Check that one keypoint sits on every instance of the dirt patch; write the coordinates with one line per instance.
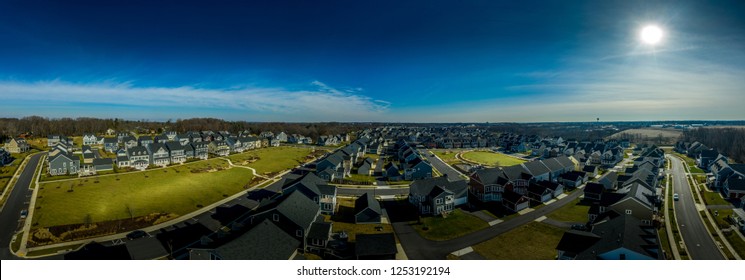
(65, 233)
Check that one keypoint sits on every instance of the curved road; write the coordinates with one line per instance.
(698, 241)
(443, 167)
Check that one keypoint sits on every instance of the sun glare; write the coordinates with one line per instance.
(651, 35)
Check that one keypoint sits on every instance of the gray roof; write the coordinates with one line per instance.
(425, 186)
(640, 193)
(265, 241)
(319, 230)
(299, 209)
(621, 231)
(488, 176)
(375, 244)
(535, 168)
(553, 164)
(174, 146)
(366, 201)
(103, 161)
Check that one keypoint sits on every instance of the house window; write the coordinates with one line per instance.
(628, 211)
(275, 217)
(317, 242)
(438, 201)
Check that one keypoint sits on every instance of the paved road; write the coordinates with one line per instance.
(699, 243)
(441, 166)
(418, 248)
(18, 200)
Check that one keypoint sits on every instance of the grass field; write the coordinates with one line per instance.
(534, 241)
(272, 160)
(455, 225)
(714, 198)
(572, 212)
(177, 190)
(448, 156)
(491, 158)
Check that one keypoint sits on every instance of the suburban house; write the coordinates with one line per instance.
(594, 191)
(591, 170)
(380, 246)
(16, 145)
(487, 184)
(90, 139)
(613, 236)
(294, 213)
(437, 195)
(176, 151)
(318, 237)
(219, 148)
(145, 140)
(539, 193)
(129, 142)
(519, 178)
(572, 179)
(265, 241)
(88, 154)
(333, 162)
(514, 201)
(110, 144)
(367, 210)
(103, 164)
(54, 139)
(201, 150)
(734, 188)
(5, 157)
(704, 159)
(610, 180)
(366, 167)
(391, 172)
(139, 157)
(315, 188)
(158, 154)
(122, 160)
(63, 163)
(417, 169)
(555, 188)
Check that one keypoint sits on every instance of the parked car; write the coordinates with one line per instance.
(676, 197)
(24, 213)
(136, 234)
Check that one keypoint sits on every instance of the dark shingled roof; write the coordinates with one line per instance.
(366, 201)
(319, 230)
(425, 186)
(575, 241)
(594, 188)
(299, 209)
(265, 241)
(622, 231)
(375, 245)
(536, 168)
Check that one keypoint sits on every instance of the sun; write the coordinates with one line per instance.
(651, 35)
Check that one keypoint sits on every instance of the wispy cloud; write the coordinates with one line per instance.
(319, 102)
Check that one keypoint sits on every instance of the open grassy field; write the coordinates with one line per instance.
(491, 158)
(177, 190)
(456, 224)
(534, 241)
(572, 212)
(273, 159)
(714, 198)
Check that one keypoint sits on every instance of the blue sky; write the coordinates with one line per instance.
(418, 61)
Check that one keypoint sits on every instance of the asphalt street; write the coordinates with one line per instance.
(441, 166)
(10, 221)
(699, 243)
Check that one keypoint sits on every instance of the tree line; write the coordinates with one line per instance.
(729, 141)
(42, 127)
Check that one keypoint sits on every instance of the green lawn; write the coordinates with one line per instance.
(737, 243)
(7, 172)
(176, 190)
(448, 156)
(455, 225)
(572, 212)
(714, 198)
(360, 178)
(273, 159)
(534, 241)
(343, 220)
(491, 158)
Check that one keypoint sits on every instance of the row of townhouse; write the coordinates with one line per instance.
(338, 165)
(621, 221)
(601, 153)
(61, 160)
(516, 185)
(726, 177)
